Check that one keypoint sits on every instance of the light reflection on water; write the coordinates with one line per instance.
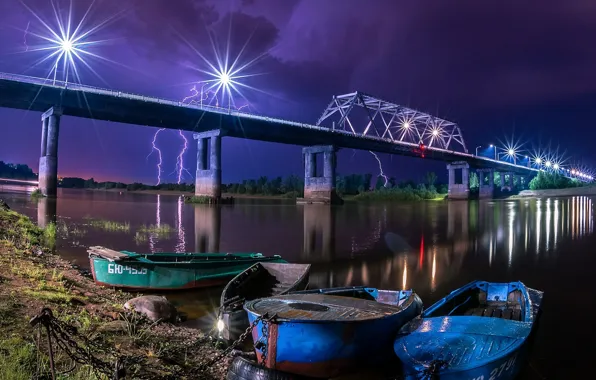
(344, 244)
(538, 241)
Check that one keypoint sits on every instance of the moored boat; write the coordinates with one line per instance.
(478, 331)
(168, 271)
(258, 281)
(329, 332)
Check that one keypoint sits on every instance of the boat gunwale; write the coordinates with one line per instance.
(146, 258)
(401, 309)
(304, 274)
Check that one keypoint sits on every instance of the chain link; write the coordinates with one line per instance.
(264, 337)
(63, 335)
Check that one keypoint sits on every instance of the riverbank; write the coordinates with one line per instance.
(190, 193)
(32, 278)
(568, 192)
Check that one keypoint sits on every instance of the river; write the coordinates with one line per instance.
(547, 243)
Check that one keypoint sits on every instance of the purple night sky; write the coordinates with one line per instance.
(498, 69)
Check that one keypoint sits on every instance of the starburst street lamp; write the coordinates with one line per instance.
(225, 72)
(67, 43)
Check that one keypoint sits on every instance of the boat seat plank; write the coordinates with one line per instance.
(107, 253)
(321, 307)
(503, 313)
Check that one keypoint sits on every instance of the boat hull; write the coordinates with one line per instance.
(327, 349)
(506, 368)
(233, 318)
(136, 275)
(490, 346)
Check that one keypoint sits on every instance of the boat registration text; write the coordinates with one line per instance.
(119, 269)
(498, 371)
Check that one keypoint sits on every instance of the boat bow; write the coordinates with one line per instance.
(459, 343)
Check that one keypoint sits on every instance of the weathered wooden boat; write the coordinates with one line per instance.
(477, 332)
(329, 332)
(169, 271)
(258, 281)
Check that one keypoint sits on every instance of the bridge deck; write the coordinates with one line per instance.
(21, 92)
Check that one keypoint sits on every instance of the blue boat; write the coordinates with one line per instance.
(329, 332)
(478, 332)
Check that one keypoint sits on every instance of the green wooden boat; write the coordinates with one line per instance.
(169, 271)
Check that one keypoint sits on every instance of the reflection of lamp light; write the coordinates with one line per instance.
(405, 275)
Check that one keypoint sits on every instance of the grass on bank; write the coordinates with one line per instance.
(31, 278)
(400, 194)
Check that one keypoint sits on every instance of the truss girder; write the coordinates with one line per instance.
(391, 121)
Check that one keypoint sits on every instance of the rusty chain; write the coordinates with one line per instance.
(264, 336)
(63, 336)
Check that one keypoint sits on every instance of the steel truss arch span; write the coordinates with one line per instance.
(391, 121)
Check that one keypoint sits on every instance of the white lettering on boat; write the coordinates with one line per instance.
(119, 269)
(498, 371)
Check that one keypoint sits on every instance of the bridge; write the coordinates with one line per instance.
(19, 181)
(383, 127)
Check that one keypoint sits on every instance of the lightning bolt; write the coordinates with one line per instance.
(156, 149)
(191, 99)
(25, 36)
(180, 161)
(380, 169)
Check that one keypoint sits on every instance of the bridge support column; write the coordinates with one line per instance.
(486, 179)
(459, 185)
(208, 178)
(319, 188)
(48, 160)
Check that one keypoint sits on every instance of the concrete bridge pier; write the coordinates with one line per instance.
(507, 183)
(319, 188)
(459, 180)
(486, 179)
(208, 178)
(48, 160)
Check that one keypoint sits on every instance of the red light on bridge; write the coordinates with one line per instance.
(420, 150)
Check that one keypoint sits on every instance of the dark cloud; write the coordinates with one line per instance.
(527, 64)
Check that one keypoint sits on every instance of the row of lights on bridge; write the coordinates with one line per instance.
(547, 163)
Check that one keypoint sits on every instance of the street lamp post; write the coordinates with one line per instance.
(479, 146)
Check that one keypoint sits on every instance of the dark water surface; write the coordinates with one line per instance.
(549, 244)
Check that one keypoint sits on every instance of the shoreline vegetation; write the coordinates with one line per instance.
(32, 278)
(352, 187)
